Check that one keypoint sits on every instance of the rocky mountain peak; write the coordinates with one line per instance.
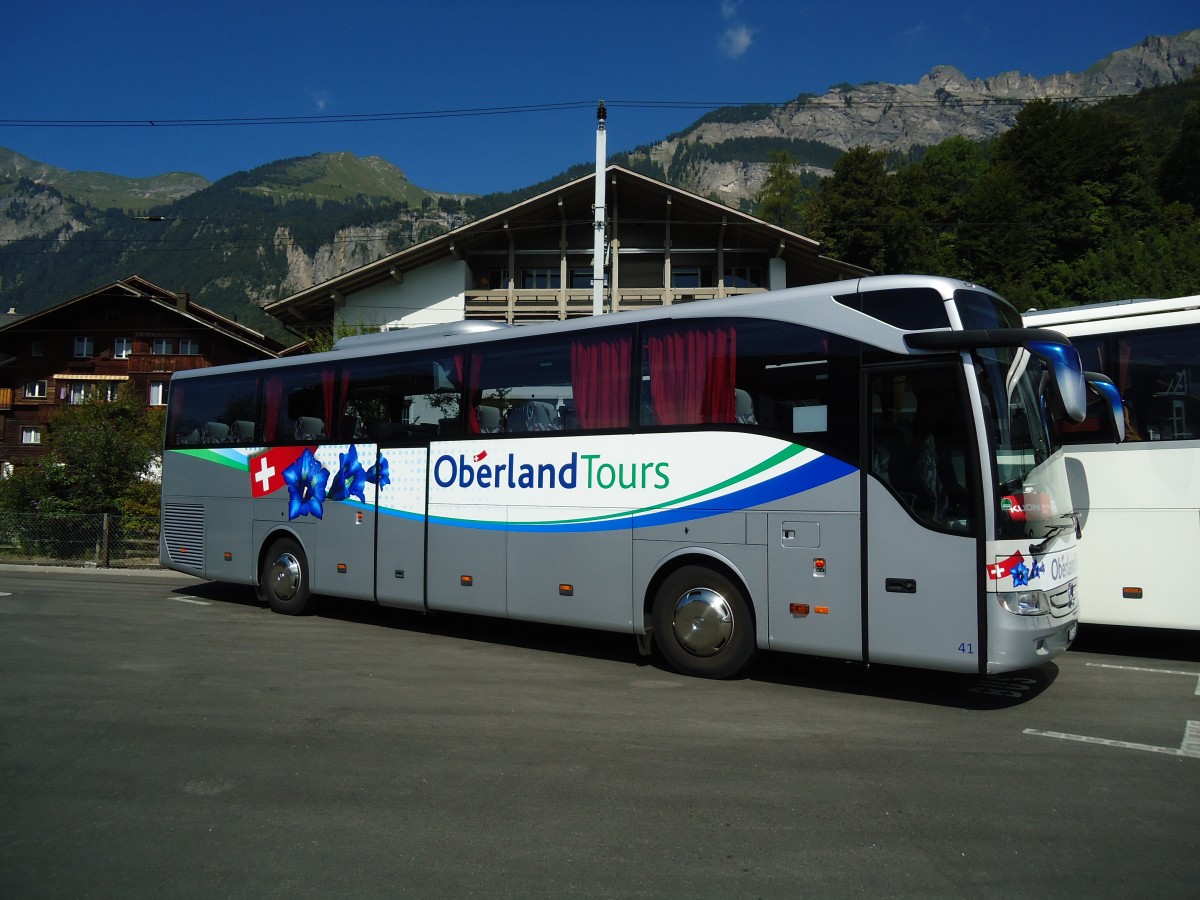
(942, 104)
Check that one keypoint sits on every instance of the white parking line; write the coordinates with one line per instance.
(190, 600)
(1190, 746)
(1195, 675)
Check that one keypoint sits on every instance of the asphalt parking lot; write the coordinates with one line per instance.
(164, 736)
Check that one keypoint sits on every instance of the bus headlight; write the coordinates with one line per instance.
(1024, 603)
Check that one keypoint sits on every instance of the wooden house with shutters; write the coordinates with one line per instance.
(129, 332)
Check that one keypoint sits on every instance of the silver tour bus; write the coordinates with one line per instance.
(868, 470)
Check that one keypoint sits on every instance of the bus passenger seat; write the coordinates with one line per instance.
(489, 419)
(535, 415)
(309, 428)
(243, 430)
(743, 407)
(215, 433)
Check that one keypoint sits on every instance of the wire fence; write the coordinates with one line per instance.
(96, 539)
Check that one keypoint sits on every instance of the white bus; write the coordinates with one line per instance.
(868, 470)
(1139, 500)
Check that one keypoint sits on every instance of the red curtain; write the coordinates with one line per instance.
(177, 413)
(471, 395)
(274, 402)
(328, 392)
(692, 374)
(600, 381)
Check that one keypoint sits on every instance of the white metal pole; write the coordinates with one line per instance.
(598, 209)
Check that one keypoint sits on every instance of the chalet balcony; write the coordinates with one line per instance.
(148, 363)
(523, 304)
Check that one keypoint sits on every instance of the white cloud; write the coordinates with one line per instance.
(736, 41)
(321, 99)
(729, 8)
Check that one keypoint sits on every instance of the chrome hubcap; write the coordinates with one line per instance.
(284, 576)
(702, 622)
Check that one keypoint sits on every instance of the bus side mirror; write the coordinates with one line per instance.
(1103, 387)
(1068, 376)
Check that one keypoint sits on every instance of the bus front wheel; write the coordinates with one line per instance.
(283, 579)
(702, 623)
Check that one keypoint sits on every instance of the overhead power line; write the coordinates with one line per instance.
(849, 100)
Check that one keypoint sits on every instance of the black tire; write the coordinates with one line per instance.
(283, 580)
(703, 625)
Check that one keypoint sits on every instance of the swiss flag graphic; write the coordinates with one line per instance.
(266, 469)
(1004, 568)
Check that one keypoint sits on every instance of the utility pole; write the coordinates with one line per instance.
(598, 210)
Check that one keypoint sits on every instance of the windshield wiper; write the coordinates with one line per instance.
(1040, 548)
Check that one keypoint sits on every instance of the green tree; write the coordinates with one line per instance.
(779, 199)
(324, 339)
(103, 448)
(849, 212)
(1179, 174)
(99, 455)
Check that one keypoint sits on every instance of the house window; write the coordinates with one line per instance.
(493, 280)
(35, 390)
(189, 347)
(122, 348)
(37, 348)
(691, 277)
(540, 278)
(31, 435)
(158, 393)
(743, 277)
(84, 347)
(163, 346)
(581, 278)
(108, 390)
(77, 392)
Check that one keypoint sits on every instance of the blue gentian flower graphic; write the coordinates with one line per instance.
(1020, 575)
(350, 481)
(305, 479)
(378, 474)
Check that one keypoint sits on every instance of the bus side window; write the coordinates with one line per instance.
(918, 444)
(222, 410)
(576, 382)
(403, 399)
(799, 383)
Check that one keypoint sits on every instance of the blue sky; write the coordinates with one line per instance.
(160, 61)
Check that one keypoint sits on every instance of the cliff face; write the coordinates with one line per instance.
(351, 248)
(942, 104)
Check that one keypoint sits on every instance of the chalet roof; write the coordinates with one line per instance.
(636, 197)
(136, 287)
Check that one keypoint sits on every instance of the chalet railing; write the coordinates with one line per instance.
(141, 364)
(526, 304)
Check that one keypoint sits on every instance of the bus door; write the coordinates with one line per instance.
(400, 529)
(922, 553)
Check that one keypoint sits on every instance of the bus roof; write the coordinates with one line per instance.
(1117, 309)
(820, 306)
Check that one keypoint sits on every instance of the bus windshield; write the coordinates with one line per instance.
(1018, 391)
(1033, 494)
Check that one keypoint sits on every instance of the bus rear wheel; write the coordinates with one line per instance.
(702, 623)
(283, 578)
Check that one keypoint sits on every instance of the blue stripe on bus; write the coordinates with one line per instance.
(819, 472)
